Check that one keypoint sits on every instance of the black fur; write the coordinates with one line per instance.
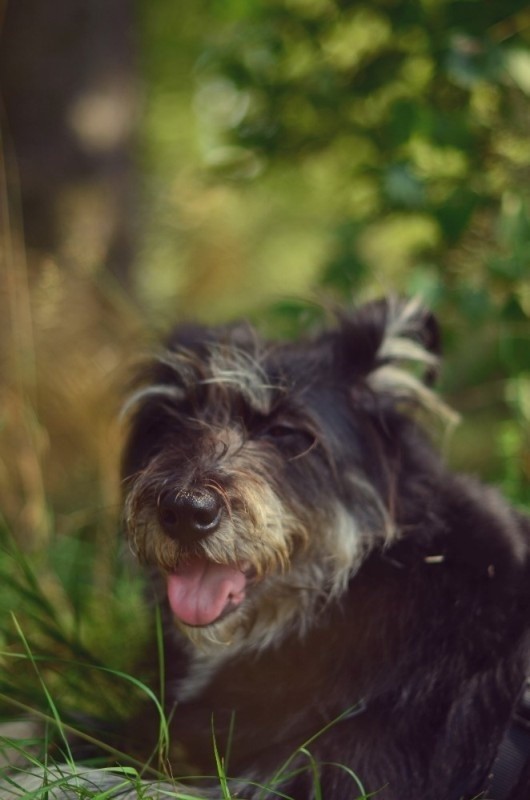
(428, 643)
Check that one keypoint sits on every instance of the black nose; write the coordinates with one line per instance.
(190, 515)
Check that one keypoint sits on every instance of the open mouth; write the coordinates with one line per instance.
(201, 592)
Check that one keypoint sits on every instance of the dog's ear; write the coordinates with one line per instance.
(387, 332)
(392, 347)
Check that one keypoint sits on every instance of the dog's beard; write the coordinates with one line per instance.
(264, 574)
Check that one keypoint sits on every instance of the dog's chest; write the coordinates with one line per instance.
(254, 706)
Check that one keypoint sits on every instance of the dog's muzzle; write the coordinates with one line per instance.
(200, 591)
(190, 515)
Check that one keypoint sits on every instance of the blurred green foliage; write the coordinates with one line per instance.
(361, 148)
(417, 112)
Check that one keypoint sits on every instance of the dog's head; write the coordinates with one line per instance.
(259, 474)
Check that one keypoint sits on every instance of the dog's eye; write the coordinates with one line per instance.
(281, 431)
(293, 441)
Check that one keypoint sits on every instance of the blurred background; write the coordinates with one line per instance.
(222, 158)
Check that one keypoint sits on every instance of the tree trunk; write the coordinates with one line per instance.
(67, 77)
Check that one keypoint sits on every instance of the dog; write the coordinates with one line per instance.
(344, 617)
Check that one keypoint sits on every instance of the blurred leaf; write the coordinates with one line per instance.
(510, 268)
(517, 63)
(471, 60)
(475, 304)
(345, 270)
(403, 188)
(456, 212)
(426, 282)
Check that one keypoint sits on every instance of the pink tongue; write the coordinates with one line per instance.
(200, 590)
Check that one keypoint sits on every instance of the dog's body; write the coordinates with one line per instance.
(337, 602)
(357, 572)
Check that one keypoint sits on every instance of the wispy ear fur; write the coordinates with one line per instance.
(394, 347)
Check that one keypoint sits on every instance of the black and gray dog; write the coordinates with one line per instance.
(341, 609)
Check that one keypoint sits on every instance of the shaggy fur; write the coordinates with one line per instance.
(336, 600)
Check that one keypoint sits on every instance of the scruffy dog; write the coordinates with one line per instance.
(341, 610)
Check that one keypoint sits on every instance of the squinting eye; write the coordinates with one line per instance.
(281, 431)
(294, 442)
